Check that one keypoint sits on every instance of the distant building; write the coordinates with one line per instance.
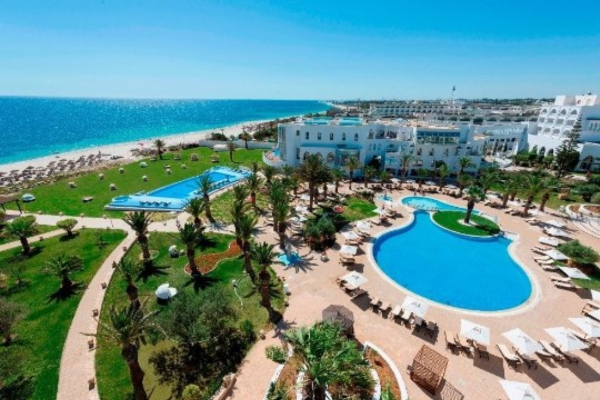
(414, 108)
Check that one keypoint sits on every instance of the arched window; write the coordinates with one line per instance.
(356, 137)
(307, 135)
(343, 135)
(331, 136)
(319, 136)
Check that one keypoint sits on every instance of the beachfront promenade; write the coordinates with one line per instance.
(313, 288)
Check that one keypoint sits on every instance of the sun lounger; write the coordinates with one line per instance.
(510, 357)
(482, 351)
(527, 359)
(544, 258)
(450, 344)
(544, 355)
(375, 302)
(593, 304)
(568, 355)
(405, 316)
(384, 306)
(547, 267)
(540, 248)
(584, 338)
(396, 312)
(349, 287)
(430, 328)
(546, 262)
(463, 345)
(566, 286)
(357, 292)
(562, 280)
(552, 351)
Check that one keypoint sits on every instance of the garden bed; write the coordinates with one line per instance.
(453, 221)
(208, 262)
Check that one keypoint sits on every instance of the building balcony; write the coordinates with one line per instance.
(272, 158)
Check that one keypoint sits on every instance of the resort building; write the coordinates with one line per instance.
(414, 108)
(336, 140)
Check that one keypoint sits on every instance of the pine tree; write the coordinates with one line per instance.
(567, 154)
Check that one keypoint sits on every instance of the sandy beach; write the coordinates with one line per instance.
(124, 150)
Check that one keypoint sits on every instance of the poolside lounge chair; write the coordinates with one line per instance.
(349, 287)
(405, 316)
(463, 345)
(568, 355)
(584, 338)
(548, 267)
(510, 357)
(384, 306)
(545, 262)
(562, 280)
(375, 302)
(566, 286)
(545, 258)
(539, 251)
(482, 350)
(592, 304)
(540, 248)
(450, 344)
(544, 355)
(430, 328)
(396, 312)
(357, 292)
(552, 351)
(527, 359)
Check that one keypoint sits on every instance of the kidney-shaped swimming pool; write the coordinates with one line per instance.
(471, 273)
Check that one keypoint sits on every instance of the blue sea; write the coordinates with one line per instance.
(38, 127)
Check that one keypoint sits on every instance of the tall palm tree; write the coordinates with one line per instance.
(139, 221)
(269, 172)
(22, 228)
(488, 178)
(473, 194)
(352, 164)
(443, 171)
(405, 161)
(205, 186)
(511, 186)
(254, 183)
(368, 173)
(238, 209)
(314, 172)
(195, 207)
(190, 235)
(247, 225)
(464, 163)
(63, 266)
(127, 329)
(282, 212)
(337, 175)
(463, 181)
(160, 147)
(422, 173)
(245, 136)
(231, 147)
(533, 184)
(129, 270)
(551, 184)
(263, 254)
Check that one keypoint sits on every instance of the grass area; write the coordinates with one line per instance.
(57, 197)
(357, 209)
(41, 228)
(112, 372)
(221, 205)
(452, 220)
(41, 334)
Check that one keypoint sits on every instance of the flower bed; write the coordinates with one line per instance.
(207, 262)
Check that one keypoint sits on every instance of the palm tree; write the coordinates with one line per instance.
(195, 207)
(463, 181)
(63, 266)
(190, 235)
(488, 178)
(160, 147)
(406, 160)
(231, 147)
(254, 184)
(352, 164)
(443, 171)
(269, 172)
(68, 225)
(464, 163)
(473, 194)
(368, 173)
(238, 209)
(422, 173)
(245, 136)
(129, 270)
(22, 228)
(533, 184)
(139, 221)
(551, 183)
(263, 254)
(205, 186)
(247, 225)
(282, 212)
(337, 175)
(127, 329)
(314, 172)
(511, 186)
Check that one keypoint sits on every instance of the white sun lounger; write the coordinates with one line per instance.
(510, 357)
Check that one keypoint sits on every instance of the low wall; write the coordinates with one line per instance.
(239, 143)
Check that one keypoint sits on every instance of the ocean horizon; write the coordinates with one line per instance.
(33, 127)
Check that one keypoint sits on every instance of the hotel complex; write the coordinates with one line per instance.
(430, 143)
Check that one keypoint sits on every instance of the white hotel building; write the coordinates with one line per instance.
(339, 139)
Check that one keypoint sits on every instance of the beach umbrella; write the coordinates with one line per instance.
(363, 226)
(522, 341)
(573, 273)
(395, 180)
(549, 241)
(164, 292)
(556, 255)
(518, 390)
(430, 183)
(476, 332)
(566, 339)
(452, 187)
(587, 325)
(348, 250)
(555, 223)
(411, 181)
(595, 295)
(558, 233)
(414, 306)
(354, 279)
(341, 315)
(350, 235)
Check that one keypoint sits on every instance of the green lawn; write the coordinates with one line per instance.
(41, 334)
(452, 220)
(57, 197)
(221, 205)
(112, 372)
(357, 209)
(42, 229)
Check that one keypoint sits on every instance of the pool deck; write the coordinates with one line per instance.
(313, 288)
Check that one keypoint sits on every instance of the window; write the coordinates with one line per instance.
(432, 151)
(298, 133)
(446, 152)
(305, 156)
(419, 151)
(307, 135)
(331, 136)
(370, 146)
(319, 136)
(343, 135)
(297, 154)
(370, 134)
(356, 137)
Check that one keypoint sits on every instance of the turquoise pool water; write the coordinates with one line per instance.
(430, 204)
(469, 273)
(175, 196)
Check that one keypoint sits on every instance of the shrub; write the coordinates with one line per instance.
(580, 254)
(276, 353)
(276, 392)
(386, 393)
(191, 392)
(67, 225)
(587, 191)
(596, 198)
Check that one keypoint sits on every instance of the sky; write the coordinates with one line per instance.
(299, 49)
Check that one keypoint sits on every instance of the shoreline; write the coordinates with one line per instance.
(124, 151)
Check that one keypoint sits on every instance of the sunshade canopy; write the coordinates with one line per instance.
(414, 306)
(555, 223)
(566, 339)
(557, 232)
(476, 332)
(350, 235)
(519, 390)
(450, 187)
(590, 327)
(349, 250)
(549, 241)
(354, 278)
(522, 341)
(363, 226)
(556, 255)
(341, 315)
(574, 273)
